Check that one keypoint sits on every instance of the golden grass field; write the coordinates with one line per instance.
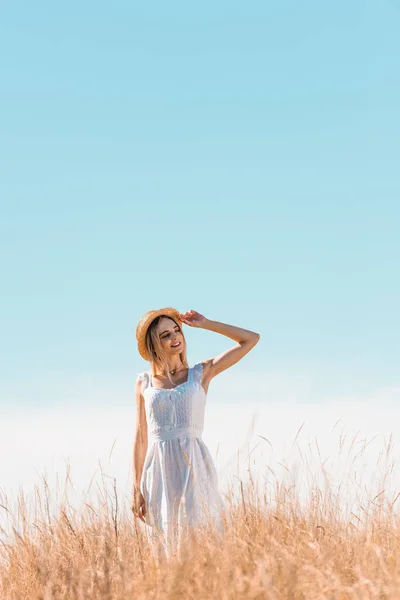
(279, 547)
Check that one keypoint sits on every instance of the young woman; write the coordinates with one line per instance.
(175, 486)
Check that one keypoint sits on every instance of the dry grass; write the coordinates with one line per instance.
(281, 546)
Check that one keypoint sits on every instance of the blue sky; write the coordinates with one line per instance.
(236, 159)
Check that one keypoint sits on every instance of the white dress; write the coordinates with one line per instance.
(179, 481)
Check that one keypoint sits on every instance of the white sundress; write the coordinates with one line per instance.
(179, 480)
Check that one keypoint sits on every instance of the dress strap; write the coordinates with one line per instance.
(144, 378)
(197, 372)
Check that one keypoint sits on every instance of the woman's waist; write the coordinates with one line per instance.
(175, 432)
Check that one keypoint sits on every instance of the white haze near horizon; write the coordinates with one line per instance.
(275, 433)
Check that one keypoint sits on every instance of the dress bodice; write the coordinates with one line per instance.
(176, 411)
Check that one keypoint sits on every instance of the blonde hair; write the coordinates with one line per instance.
(155, 351)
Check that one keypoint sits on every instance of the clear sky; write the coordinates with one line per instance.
(234, 158)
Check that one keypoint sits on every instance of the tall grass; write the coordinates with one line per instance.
(327, 538)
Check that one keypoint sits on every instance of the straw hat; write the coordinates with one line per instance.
(145, 322)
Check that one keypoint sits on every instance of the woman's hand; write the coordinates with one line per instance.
(138, 505)
(193, 319)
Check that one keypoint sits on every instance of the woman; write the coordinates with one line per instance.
(175, 485)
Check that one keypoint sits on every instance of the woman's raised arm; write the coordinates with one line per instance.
(246, 341)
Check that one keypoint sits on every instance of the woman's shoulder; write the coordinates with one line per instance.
(198, 367)
(143, 376)
(203, 368)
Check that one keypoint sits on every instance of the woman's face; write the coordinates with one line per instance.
(170, 336)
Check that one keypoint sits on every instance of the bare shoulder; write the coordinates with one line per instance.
(206, 365)
(207, 374)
